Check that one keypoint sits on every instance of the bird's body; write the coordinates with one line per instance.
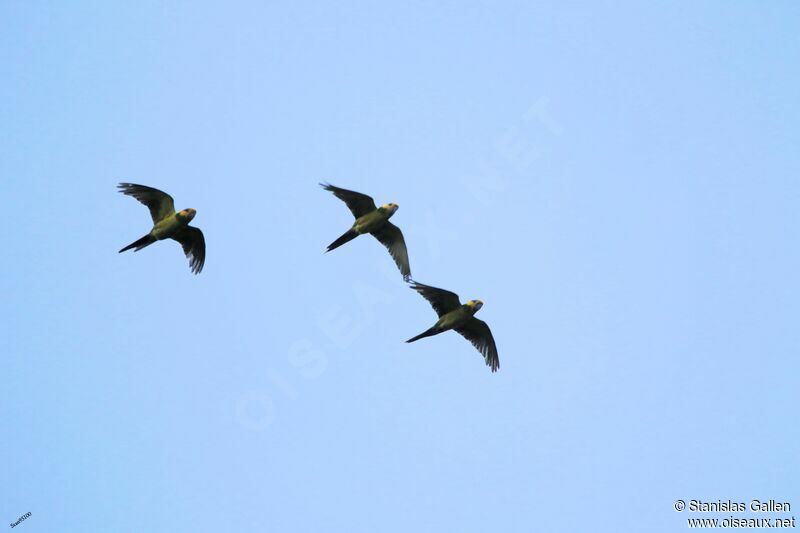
(168, 224)
(375, 221)
(453, 315)
(372, 221)
(456, 318)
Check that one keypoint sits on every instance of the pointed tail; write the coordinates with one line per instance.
(427, 333)
(141, 243)
(347, 237)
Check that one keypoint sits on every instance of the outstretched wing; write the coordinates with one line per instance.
(392, 238)
(442, 301)
(194, 246)
(160, 203)
(478, 333)
(359, 204)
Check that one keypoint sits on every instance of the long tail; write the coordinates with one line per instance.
(427, 333)
(147, 240)
(347, 237)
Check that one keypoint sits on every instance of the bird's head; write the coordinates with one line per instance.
(474, 305)
(390, 208)
(187, 214)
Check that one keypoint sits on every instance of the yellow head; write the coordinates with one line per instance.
(187, 214)
(391, 208)
(475, 305)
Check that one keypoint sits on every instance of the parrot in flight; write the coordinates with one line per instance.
(168, 224)
(375, 221)
(461, 318)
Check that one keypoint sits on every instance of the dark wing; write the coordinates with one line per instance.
(194, 246)
(359, 204)
(478, 333)
(392, 238)
(442, 301)
(160, 203)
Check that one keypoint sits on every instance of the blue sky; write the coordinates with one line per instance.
(617, 181)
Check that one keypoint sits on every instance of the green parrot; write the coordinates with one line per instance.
(453, 315)
(167, 224)
(373, 220)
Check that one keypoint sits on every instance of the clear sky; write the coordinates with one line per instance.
(617, 181)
